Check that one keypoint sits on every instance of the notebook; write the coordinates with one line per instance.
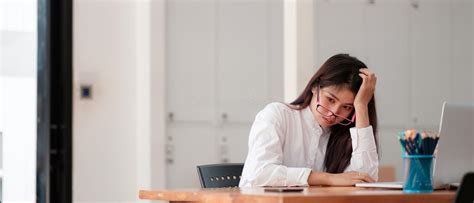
(454, 151)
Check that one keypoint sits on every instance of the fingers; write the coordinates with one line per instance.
(353, 182)
(354, 177)
(364, 177)
(363, 76)
(368, 76)
(367, 72)
(368, 179)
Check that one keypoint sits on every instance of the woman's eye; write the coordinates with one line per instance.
(349, 108)
(331, 100)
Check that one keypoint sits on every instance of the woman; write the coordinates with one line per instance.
(325, 137)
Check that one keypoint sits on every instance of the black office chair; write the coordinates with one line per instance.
(220, 175)
(466, 189)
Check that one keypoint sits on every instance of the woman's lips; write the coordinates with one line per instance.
(326, 120)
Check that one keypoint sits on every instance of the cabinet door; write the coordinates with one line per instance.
(189, 145)
(246, 44)
(191, 41)
(340, 27)
(388, 34)
(431, 55)
(233, 142)
(275, 90)
(462, 50)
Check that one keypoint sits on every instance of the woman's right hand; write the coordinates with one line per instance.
(348, 178)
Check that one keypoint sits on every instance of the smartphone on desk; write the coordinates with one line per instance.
(284, 189)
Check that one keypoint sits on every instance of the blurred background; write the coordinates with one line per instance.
(160, 86)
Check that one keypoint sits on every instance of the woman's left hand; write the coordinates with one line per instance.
(367, 89)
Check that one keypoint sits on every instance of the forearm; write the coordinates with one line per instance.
(263, 174)
(318, 178)
(364, 152)
(366, 162)
(362, 116)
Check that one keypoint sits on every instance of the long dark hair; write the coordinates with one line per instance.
(341, 71)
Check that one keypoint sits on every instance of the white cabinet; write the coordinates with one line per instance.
(224, 64)
(376, 32)
(233, 142)
(242, 58)
(388, 34)
(419, 50)
(430, 60)
(340, 27)
(191, 57)
(188, 146)
(228, 56)
(462, 18)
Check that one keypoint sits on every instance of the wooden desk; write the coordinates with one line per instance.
(311, 194)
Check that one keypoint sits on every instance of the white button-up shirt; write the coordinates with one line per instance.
(286, 144)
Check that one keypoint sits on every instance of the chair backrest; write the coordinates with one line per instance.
(220, 175)
(466, 189)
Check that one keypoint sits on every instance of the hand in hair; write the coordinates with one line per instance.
(367, 89)
(363, 97)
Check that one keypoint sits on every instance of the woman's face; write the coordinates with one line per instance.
(337, 104)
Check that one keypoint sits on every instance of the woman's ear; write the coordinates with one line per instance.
(314, 90)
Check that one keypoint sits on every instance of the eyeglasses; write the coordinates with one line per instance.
(328, 113)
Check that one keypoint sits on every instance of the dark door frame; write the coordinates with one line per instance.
(54, 102)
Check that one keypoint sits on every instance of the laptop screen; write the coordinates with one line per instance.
(455, 150)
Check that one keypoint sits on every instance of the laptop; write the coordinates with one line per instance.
(454, 153)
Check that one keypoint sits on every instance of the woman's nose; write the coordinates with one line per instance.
(332, 118)
(335, 110)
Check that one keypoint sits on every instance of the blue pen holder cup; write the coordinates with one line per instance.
(418, 173)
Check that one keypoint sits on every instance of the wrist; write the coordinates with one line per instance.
(362, 116)
(326, 179)
(319, 178)
(360, 106)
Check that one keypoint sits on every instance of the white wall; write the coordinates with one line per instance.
(157, 74)
(116, 145)
(19, 139)
(18, 100)
(299, 50)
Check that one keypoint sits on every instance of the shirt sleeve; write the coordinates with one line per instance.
(364, 152)
(263, 166)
